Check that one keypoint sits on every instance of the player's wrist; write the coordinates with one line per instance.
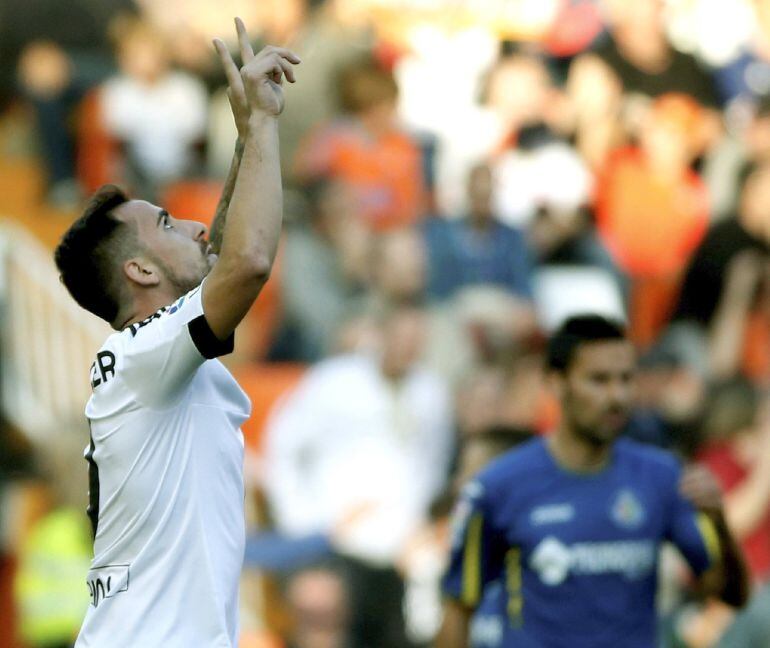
(260, 121)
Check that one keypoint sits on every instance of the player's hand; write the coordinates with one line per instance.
(263, 73)
(257, 85)
(700, 487)
(236, 94)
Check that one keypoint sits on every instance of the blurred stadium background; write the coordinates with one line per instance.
(459, 176)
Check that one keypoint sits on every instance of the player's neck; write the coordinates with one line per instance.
(578, 455)
(142, 307)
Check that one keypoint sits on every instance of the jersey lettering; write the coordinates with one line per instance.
(134, 328)
(106, 582)
(103, 368)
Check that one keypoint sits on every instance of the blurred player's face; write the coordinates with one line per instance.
(597, 390)
(178, 248)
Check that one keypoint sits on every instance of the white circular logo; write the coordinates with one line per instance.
(551, 559)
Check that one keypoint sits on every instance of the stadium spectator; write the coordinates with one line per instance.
(324, 267)
(157, 113)
(652, 209)
(364, 429)
(736, 431)
(334, 45)
(594, 102)
(747, 142)
(748, 230)
(319, 609)
(639, 52)
(478, 249)
(521, 93)
(57, 52)
(367, 149)
(746, 78)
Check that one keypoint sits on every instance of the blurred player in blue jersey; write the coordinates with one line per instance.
(562, 534)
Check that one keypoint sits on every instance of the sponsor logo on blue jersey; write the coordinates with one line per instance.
(554, 561)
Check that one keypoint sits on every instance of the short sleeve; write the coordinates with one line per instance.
(476, 556)
(691, 531)
(161, 354)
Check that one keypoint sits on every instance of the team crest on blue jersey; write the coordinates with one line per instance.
(627, 510)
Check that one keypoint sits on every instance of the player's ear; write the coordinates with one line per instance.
(141, 271)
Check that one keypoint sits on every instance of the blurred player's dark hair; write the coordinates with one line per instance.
(578, 330)
(90, 252)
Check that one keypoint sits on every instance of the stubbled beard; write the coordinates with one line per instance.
(183, 285)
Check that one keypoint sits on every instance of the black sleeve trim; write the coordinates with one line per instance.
(208, 344)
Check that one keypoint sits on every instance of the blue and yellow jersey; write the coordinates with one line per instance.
(570, 559)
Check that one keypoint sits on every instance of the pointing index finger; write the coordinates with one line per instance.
(247, 53)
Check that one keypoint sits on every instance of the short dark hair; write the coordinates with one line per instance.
(89, 252)
(578, 330)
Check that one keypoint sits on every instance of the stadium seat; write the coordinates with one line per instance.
(98, 154)
(265, 384)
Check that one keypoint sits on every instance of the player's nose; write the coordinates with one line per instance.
(198, 231)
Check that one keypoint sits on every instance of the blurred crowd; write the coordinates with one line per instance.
(452, 192)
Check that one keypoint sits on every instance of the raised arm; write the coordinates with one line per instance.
(251, 230)
(220, 217)
(727, 579)
(239, 105)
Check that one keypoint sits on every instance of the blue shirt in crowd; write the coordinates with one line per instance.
(570, 559)
(461, 255)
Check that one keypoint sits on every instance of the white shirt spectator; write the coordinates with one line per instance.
(349, 440)
(158, 122)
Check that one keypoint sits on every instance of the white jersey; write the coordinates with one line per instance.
(166, 486)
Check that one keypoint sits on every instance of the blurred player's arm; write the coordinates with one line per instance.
(724, 576)
(477, 558)
(455, 626)
(251, 230)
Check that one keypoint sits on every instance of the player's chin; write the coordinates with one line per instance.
(611, 431)
(607, 431)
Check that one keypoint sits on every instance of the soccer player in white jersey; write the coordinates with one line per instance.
(165, 455)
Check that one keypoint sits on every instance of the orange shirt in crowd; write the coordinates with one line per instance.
(384, 171)
(650, 224)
